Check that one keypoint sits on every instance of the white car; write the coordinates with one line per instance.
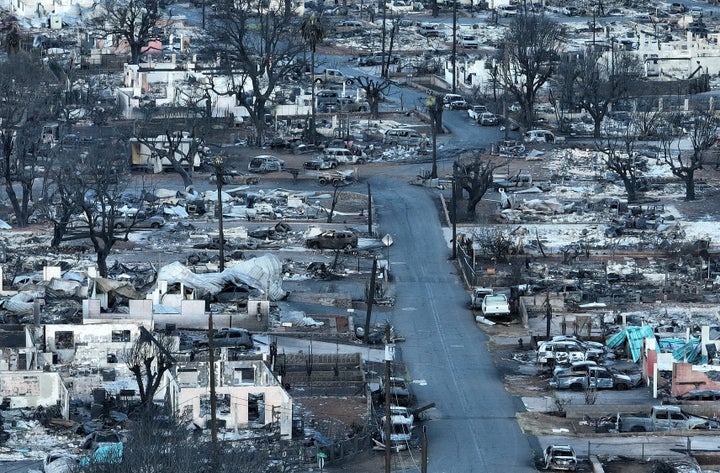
(539, 136)
(468, 41)
(475, 111)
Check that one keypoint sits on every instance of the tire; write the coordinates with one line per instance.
(622, 387)
(314, 245)
(333, 165)
(576, 387)
(119, 226)
(349, 82)
(322, 181)
(155, 225)
(361, 161)
(637, 428)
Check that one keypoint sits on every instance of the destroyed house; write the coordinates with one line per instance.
(167, 85)
(29, 389)
(17, 350)
(248, 395)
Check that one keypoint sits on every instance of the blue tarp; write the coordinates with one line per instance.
(110, 453)
(634, 337)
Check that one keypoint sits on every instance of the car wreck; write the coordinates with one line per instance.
(560, 458)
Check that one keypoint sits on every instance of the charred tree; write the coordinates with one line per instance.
(528, 59)
(30, 98)
(374, 92)
(259, 45)
(133, 20)
(685, 163)
(148, 359)
(475, 176)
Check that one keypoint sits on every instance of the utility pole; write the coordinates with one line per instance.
(369, 210)
(389, 356)
(221, 231)
(454, 48)
(434, 108)
(454, 215)
(211, 362)
(383, 69)
(369, 301)
(424, 460)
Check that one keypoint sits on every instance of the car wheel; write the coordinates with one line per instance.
(155, 225)
(621, 387)
(349, 247)
(322, 181)
(119, 226)
(333, 165)
(314, 245)
(349, 82)
(637, 428)
(361, 161)
(576, 387)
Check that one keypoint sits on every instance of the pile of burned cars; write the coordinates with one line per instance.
(575, 365)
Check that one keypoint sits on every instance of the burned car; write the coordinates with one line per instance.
(320, 163)
(597, 377)
(333, 240)
(235, 177)
(399, 391)
(139, 221)
(560, 457)
(228, 338)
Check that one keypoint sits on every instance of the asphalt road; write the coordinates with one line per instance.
(473, 427)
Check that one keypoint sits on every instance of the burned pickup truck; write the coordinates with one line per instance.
(664, 418)
(585, 376)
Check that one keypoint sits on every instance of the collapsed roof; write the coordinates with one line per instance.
(263, 274)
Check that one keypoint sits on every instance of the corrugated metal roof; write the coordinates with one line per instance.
(634, 337)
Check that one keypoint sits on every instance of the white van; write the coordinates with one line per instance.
(450, 98)
(343, 156)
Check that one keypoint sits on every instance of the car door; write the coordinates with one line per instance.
(662, 420)
(600, 378)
